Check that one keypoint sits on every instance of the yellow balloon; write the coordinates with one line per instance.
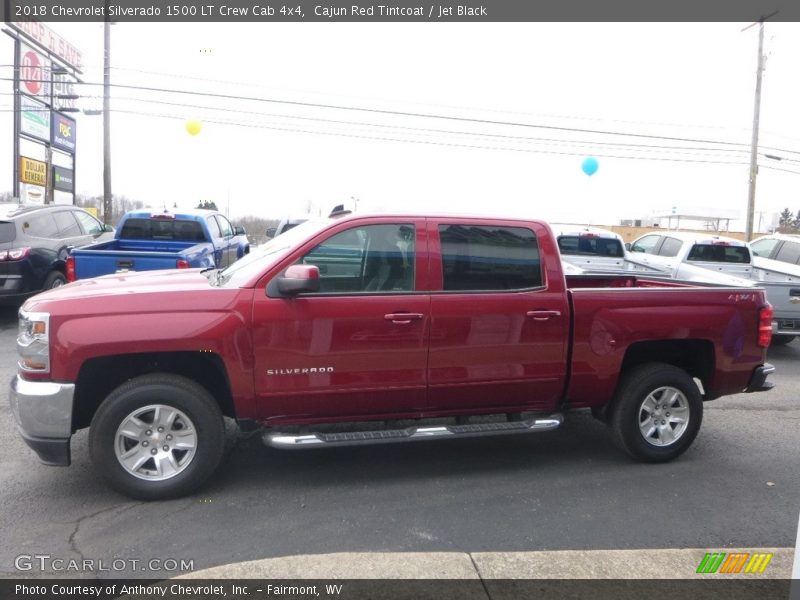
(193, 127)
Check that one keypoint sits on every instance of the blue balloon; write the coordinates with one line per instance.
(590, 166)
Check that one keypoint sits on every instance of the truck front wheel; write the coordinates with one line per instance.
(157, 436)
(657, 412)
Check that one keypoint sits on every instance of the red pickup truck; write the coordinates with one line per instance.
(374, 329)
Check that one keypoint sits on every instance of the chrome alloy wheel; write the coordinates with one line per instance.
(155, 442)
(664, 416)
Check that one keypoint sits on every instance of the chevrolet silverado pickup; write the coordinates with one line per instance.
(150, 241)
(374, 329)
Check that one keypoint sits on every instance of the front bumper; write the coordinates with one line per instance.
(43, 412)
(758, 381)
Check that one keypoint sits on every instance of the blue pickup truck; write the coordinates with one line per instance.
(147, 240)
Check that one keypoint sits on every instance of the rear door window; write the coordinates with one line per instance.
(488, 258)
(789, 253)
(670, 247)
(41, 226)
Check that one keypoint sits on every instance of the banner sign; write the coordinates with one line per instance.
(63, 179)
(63, 133)
(32, 171)
(34, 118)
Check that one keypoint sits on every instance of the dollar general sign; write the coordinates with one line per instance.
(32, 171)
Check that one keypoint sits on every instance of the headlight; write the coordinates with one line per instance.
(33, 342)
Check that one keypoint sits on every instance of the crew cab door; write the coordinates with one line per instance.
(500, 318)
(221, 232)
(229, 242)
(358, 347)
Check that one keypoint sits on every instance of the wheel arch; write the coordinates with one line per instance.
(696, 357)
(98, 377)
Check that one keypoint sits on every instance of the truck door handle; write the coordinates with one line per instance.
(403, 318)
(542, 315)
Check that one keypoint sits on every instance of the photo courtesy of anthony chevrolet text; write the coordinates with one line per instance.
(399, 300)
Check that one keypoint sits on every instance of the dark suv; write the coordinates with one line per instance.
(34, 244)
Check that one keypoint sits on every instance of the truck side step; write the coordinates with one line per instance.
(410, 434)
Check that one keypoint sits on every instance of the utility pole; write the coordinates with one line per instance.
(751, 193)
(107, 205)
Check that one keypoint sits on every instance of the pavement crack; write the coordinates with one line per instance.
(72, 540)
(478, 573)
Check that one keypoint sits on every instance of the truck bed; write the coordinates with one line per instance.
(134, 255)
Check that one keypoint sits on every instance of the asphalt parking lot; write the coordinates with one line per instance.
(738, 487)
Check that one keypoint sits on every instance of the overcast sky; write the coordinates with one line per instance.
(525, 104)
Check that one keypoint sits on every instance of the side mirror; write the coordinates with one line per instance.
(108, 228)
(270, 233)
(299, 279)
(238, 230)
(628, 246)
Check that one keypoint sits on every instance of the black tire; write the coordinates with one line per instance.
(781, 339)
(635, 387)
(53, 280)
(175, 393)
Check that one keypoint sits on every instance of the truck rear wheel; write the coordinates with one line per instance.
(157, 436)
(657, 412)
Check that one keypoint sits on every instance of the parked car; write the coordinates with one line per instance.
(590, 248)
(336, 331)
(780, 247)
(680, 253)
(714, 258)
(146, 241)
(34, 243)
(285, 225)
(292, 222)
(776, 260)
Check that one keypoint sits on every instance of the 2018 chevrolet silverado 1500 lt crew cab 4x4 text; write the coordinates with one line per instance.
(148, 241)
(362, 330)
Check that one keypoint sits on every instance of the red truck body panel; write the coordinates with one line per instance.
(311, 359)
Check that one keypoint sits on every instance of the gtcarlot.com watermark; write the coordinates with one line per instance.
(47, 563)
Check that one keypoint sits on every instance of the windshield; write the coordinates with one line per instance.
(265, 256)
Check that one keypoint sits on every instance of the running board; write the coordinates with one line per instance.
(410, 434)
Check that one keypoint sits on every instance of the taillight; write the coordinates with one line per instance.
(15, 254)
(765, 326)
(71, 268)
(182, 264)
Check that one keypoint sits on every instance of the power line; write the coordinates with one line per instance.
(408, 114)
(426, 142)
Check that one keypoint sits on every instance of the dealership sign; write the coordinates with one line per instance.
(63, 133)
(32, 171)
(34, 118)
(63, 179)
